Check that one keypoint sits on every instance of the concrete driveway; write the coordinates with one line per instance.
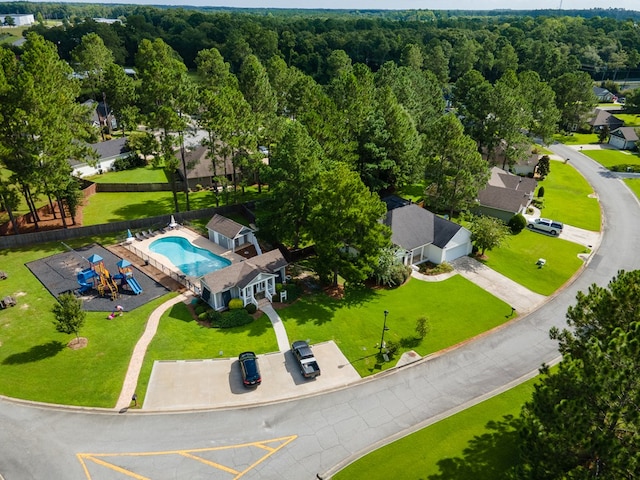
(216, 383)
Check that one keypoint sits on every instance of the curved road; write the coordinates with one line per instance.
(297, 439)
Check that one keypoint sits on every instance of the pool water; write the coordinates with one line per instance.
(191, 260)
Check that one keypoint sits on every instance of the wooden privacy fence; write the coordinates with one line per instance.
(16, 241)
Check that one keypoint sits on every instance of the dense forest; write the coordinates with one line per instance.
(604, 43)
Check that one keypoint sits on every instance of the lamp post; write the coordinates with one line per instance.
(384, 329)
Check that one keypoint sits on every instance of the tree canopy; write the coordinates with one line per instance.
(583, 420)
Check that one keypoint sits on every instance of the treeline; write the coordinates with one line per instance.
(453, 45)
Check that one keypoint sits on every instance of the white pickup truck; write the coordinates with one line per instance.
(546, 225)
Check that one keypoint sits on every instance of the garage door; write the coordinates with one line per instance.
(458, 251)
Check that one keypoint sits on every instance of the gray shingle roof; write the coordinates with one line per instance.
(507, 192)
(412, 226)
(242, 273)
(110, 148)
(628, 133)
(199, 164)
(227, 227)
(603, 118)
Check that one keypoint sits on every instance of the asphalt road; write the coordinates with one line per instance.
(297, 439)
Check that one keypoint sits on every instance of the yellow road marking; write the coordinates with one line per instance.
(210, 463)
(187, 453)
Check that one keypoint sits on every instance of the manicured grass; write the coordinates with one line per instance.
(180, 337)
(576, 138)
(634, 185)
(35, 362)
(113, 207)
(355, 322)
(517, 261)
(616, 160)
(629, 119)
(413, 192)
(566, 198)
(478, 443)
(147, 174)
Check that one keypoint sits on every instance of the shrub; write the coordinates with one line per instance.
(541, 191)
(214, 316)
(235, 304)
(517, 223)
(132, 160)
(232, 318)
(391, 348)
(204, 316)
(200, 309)
(279, 287)
(251, 308)
(399, 274)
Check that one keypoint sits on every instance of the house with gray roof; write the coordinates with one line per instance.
(602, 119)
(422, 236)
(106, 153)
(603, 95)
(200, 171)
(230, 234)
(624, 138)
(505, 195)
(250, 280)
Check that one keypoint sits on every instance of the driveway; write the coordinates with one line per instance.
(216, 383)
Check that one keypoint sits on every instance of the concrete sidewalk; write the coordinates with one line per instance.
(519, 297)
(278, 327)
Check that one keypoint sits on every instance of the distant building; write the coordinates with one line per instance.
(19, 19)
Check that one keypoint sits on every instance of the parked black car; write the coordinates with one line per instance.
(250, 369)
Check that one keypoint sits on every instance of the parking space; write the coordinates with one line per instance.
(213, 383)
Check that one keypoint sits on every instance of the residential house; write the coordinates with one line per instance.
(19, 19)
(107, 153)
(422, 236)
(603, 95)
(526, 165)
(602, 119)
(100, 117)
(200, 172)
(624, 138)
(505, 195)
(231, 235)
(250, 280)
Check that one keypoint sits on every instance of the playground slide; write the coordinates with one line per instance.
(135, 286)
(84, 287)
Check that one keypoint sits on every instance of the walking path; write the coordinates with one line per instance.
(278, 327)
(135, 364)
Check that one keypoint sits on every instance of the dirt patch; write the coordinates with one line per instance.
(48, 221)
(78, 343)
(336, 292)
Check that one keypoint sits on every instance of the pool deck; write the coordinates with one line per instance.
(193, 237)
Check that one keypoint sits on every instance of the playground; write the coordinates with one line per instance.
(100, 278)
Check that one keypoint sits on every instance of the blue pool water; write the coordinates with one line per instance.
(191, 260)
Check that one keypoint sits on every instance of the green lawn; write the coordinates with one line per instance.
(147, 174)
(517, 261)
(616, 160)
(629, 119)
(34, 361)
(566, 198)
(576, 138)
(180, 337)
(634, 185)
(479, 443)
(455, 308)
(113, 207)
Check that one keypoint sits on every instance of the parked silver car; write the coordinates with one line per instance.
(546, 225)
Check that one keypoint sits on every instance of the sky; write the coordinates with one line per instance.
(394, 4)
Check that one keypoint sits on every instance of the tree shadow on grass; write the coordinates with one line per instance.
(35, 354)
(180, 311)
(410, 342)
(492, 455)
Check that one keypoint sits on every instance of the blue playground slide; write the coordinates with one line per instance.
(84, 287)
(135, 286)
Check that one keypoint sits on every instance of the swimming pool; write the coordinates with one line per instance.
(191, 260)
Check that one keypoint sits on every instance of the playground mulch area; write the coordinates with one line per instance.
(58, 274)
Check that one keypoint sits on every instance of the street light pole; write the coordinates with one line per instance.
(384, 329)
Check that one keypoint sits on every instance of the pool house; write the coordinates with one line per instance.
(251, 280)
(232, 235)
